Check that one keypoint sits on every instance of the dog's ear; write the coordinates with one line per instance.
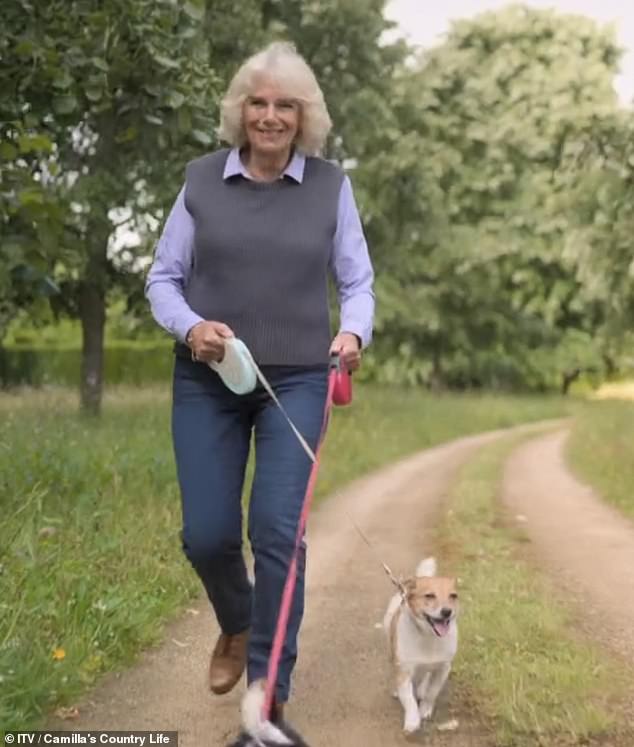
(409, 585)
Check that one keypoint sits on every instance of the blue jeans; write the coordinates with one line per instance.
(212, 429)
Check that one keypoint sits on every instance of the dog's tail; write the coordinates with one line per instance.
(258, 728)
(426, 567)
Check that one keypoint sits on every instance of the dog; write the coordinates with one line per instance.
(262, 732)
(421, 628)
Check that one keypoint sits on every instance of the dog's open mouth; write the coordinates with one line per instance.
(440, 625)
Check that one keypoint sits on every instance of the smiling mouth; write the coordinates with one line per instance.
(440, 625)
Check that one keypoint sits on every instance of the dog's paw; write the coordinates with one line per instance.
(412, 723)
(425, 709)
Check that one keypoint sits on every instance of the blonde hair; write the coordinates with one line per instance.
(281, 64)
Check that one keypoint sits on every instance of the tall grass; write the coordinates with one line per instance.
(89, 538)
(89, 530)
(600, 450)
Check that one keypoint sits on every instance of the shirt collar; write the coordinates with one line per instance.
(235, 167)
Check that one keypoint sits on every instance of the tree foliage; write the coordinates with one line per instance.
(463, 207)
(598, 183)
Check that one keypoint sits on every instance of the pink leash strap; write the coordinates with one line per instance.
(291, 578)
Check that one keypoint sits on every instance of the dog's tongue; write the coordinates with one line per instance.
(441, 627)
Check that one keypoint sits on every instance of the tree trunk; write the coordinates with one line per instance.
(568, 378)
(92, 312)
(610, 365)
(436, 377)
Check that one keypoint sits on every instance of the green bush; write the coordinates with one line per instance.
(131, 363)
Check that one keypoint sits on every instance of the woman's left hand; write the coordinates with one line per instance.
(348, 347)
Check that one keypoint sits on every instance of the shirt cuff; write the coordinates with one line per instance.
(185, 323)
(356, 329)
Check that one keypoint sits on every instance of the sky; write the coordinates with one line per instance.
(423, 22)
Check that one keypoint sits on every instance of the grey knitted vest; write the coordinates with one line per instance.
(261, 255)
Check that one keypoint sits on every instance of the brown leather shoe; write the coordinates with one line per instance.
(228, 661)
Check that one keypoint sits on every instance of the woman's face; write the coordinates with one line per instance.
(271, 120)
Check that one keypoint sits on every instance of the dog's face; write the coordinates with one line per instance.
(433, 600)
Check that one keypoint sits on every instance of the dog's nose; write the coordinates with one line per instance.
(445, 612)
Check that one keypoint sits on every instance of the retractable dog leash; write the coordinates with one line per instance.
(239, 372)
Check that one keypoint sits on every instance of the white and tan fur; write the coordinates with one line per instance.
(261, 730)
(420, 624)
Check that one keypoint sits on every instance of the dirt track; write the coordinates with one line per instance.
(341, 695)
(586, 545)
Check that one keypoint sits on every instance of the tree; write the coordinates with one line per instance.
(31, 213)
(473, 280)
(117, 106)
(597, 186)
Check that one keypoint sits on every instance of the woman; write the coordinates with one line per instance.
(246, 251)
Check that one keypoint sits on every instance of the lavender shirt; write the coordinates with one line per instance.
(350, 263)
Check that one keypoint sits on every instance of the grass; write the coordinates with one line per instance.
(90, 561)
(520, 660)
(600, 450)
(89, 538)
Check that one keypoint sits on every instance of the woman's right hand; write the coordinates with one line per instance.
(207, 340)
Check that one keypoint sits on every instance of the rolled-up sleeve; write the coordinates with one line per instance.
(352, 269)
(170, 271)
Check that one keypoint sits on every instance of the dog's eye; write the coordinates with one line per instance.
(453, 596)
(430, 595)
